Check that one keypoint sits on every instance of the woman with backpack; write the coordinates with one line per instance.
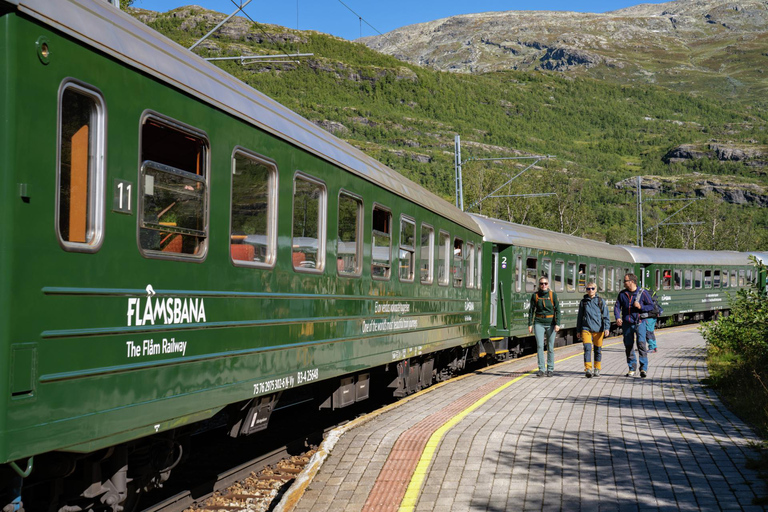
(592, 325)
(544, 321)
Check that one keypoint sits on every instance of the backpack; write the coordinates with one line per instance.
(657, 309)
(550, 298)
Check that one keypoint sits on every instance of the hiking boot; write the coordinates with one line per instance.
(550, 373)
(642, 374)
(630, 373)
(596, 373)
(588, 373)
(539, 373)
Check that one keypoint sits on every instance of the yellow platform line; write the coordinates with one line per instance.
(420, 473)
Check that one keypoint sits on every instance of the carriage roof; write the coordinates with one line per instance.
(102, 26)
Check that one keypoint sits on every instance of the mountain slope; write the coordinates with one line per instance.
(601, 133)
(708, 47)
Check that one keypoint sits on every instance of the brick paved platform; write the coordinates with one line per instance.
(565, 442)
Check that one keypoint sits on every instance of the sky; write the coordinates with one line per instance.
(332, 17)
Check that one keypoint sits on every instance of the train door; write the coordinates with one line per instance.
(494, 286)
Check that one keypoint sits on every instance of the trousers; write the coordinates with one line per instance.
(630, 332)
(590, 339)
(543, 331)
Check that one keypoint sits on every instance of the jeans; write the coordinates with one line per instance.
(542, 330)
(629, 331)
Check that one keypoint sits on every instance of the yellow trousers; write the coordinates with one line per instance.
(589, 339)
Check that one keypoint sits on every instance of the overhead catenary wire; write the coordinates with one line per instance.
(362, 20)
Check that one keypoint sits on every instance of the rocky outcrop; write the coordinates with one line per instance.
(685, 152)
(725, 152)
(332, 126)
(698, 186)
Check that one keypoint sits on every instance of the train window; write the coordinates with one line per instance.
(678, 279)
(707, 279)
(610, 278)
(173, 222)
(470, 265)
(593, 273)
(571, 278)
(407, 249)
(479, 278)
(559, 285)
(749, 277)
(601, 278)
(427, 256)
(349, 244)
(697, 279)
(688, 279)
(519, 272)
(658, 279)
(742, 279)
(666, 279)
(309, 206)
(252, 229)
(443, 256)
(458, 262)
(734, 279)
(546, 268)
(717, 279)
(381, 246)
(80, 198)
(531, 274)
(619, 285)
(582, 277)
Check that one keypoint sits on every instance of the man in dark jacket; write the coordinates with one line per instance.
(630, 305)
(544, 322)
(592, 325)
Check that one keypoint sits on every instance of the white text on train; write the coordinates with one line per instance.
(165, 311)
(150, 348)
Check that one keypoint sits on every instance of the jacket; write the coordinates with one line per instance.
(591, 316)
(543, 310)
(625, 308)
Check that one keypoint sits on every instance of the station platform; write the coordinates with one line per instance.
(504, 439)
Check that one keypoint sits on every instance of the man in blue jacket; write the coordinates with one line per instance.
(630, 304)
(592, 325)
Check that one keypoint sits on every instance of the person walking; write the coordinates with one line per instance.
(544, 322)
(592, 325)
(630, 304)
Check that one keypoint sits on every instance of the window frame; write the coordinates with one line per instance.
(383, 208)
(531, 284)
(688, 279)
(469, 265)
(322, 227)
(359, 242)
(272, 198)
(698, 279)
(407, 219)
(559, 272)
(459, 276)
(574, 273)
(194, 132)
(447, 257)
(97, 178)
(430, 254)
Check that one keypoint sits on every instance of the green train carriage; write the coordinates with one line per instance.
(693, 284)
(516, 256)
(177, 247)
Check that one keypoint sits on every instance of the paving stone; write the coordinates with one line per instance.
(567, 443)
